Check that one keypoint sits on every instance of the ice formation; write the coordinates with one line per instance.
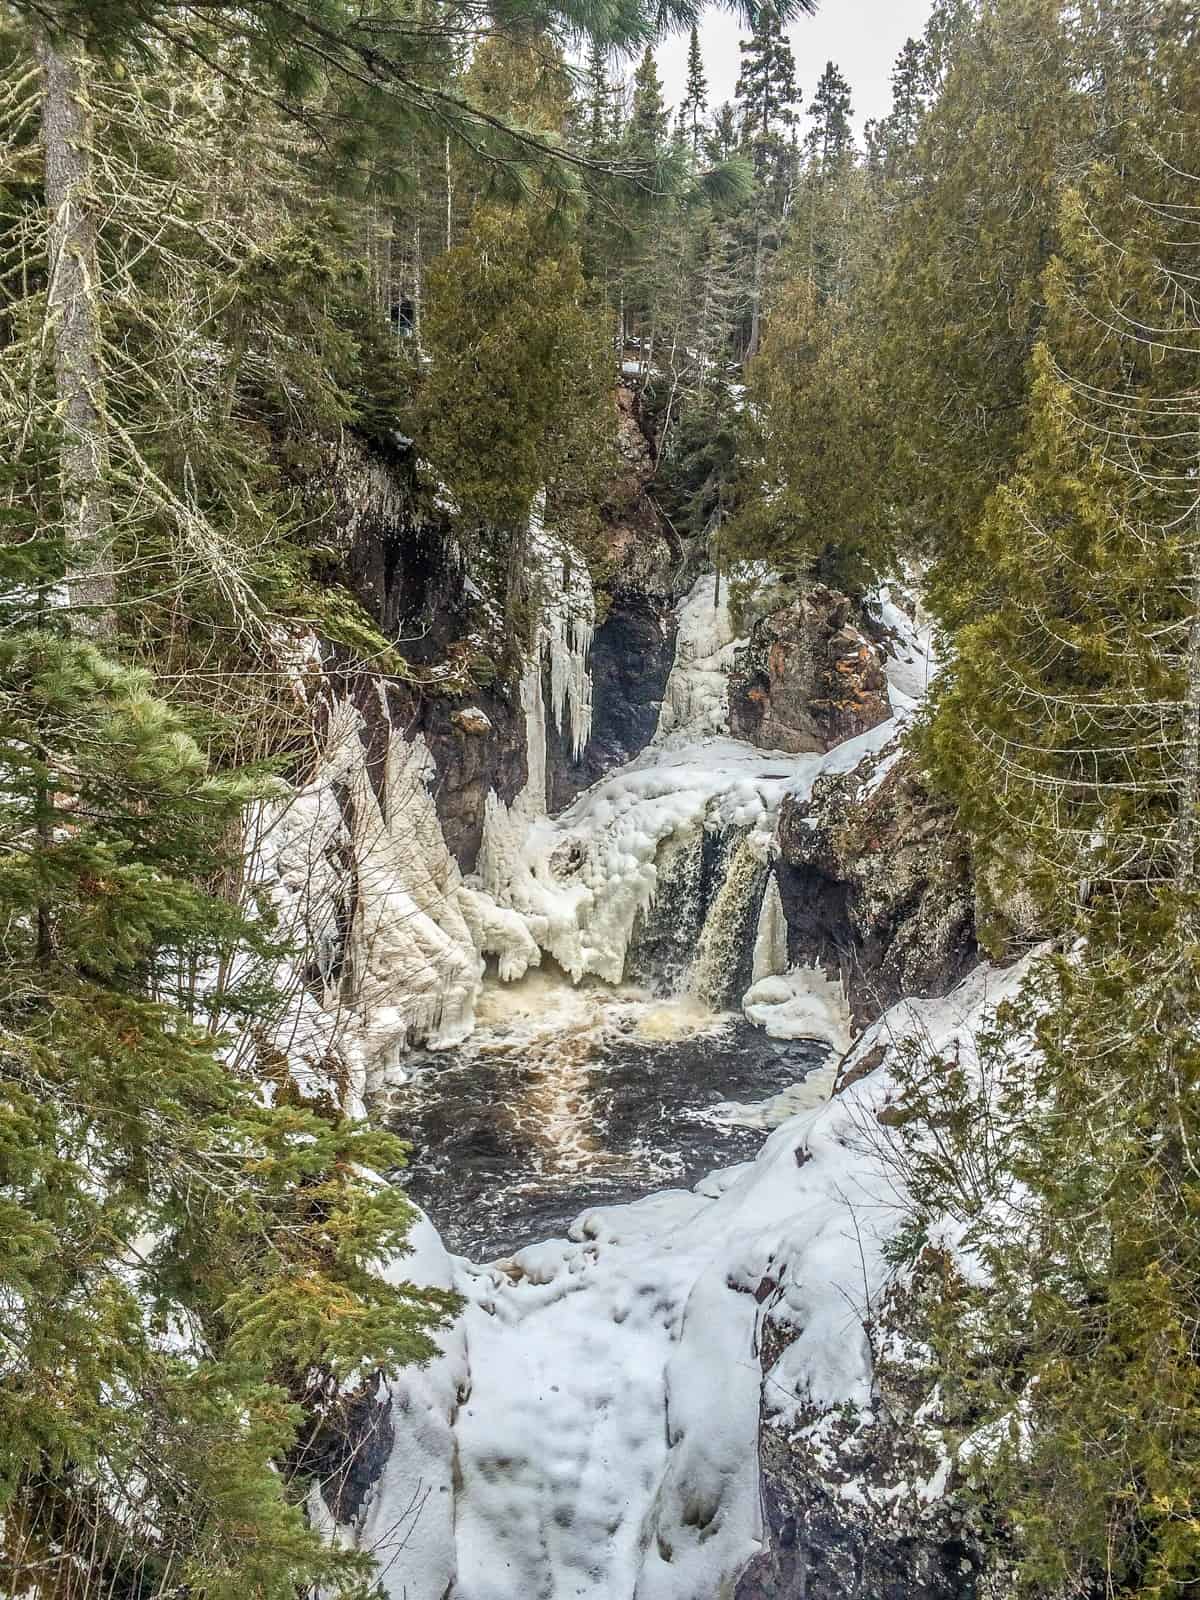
(574, 886)
(591, 1431)
(582, 880)
(414, 953)
(696, 702)
(568, 618)
(800, 1004)
(770, 936)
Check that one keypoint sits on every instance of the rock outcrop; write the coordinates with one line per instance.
(877, 885)
(867, 1514)
(808, 679)
(634, 643)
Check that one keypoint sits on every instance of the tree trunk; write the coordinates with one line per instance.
(74, 316)
(756, 293)
(1189, 801)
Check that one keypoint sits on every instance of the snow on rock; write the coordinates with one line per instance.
(911, 662)
(294, 873)
(605, 1432)
(801, 1004)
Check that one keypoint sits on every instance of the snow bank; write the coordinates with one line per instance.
(801, 1004)
(605, 1430)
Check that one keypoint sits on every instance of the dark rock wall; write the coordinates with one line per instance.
(410, 579)
(408, 574)
(877, 885)
(634, 643)
(819, 1546)
(631, 661)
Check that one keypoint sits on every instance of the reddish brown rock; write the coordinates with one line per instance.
(808, 678)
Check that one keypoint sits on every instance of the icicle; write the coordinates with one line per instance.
(567, 621)
(770, 940)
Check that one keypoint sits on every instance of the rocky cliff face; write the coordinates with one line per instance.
(407, 573)
(808, 679)
(866, 1513)
(634, 643)
(877, 885)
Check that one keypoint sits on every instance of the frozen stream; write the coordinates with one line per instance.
(567, 1098)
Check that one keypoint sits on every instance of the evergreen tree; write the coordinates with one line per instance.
(830, 137)
(766, 87)
(1068, 733)
(695, 96)
(723, 139)
(646, 130)
(598, 102)
(184, 1267)
(806, 450)
(980, 200)
(518, 396)
(767, 98)
(910, 82)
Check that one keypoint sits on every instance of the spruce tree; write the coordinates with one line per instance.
(695, 96)
(767, 98)
(766, 87)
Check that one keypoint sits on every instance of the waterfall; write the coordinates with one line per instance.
(721, 969)
(667, 930)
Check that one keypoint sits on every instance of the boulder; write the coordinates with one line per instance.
(808, 679)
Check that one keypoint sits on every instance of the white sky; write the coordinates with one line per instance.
(864, 37)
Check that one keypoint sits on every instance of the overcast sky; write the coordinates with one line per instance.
(862, 36)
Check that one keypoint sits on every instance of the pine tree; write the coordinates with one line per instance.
(830, 137)
(804, 507)
(598, 102)
(982, 222)
(766, 88)
(695, 97)
(767, 97)
(910, 86)
(646, 130)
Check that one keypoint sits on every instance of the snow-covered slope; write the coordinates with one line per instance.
(592, 1431)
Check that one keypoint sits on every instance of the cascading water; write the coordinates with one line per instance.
(724, 960)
